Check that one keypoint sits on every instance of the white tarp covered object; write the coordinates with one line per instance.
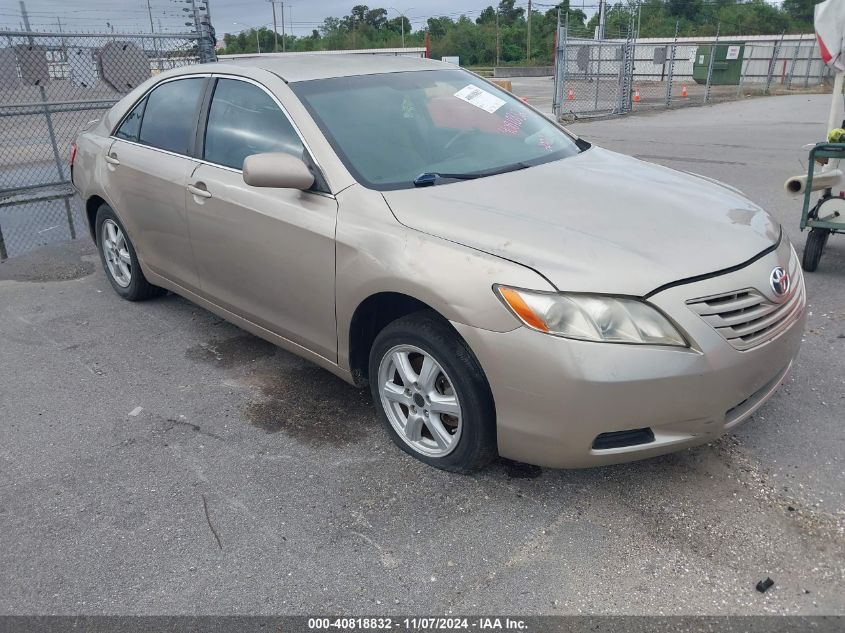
(830, 32)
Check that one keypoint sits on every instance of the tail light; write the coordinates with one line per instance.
(72, 154)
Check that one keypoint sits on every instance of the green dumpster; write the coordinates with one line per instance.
(727, 65)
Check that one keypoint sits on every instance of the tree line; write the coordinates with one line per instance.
(500, 34)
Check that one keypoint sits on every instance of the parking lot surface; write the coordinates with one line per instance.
(155, 459)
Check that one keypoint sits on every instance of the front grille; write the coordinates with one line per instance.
(746, 318)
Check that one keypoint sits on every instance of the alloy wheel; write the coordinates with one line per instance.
(420, 400)
(116, 253)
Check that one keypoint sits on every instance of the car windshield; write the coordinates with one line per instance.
(390, 129)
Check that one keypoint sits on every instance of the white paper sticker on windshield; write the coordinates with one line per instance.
(480, 98)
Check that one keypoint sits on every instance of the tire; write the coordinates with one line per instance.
(132, 286)
(813, 249)
(451, 379)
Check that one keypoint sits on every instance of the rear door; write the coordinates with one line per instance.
(149, 163)
(266, 254)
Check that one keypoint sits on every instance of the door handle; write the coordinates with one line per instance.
(202, 193)
(112, 160)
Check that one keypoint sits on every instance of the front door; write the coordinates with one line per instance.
(265, 254)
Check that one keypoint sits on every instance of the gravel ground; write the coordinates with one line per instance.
(155, 459)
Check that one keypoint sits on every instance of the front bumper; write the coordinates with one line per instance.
(554, 396)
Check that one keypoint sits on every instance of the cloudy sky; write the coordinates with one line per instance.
(300, 15)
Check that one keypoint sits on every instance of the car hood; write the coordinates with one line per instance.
(595, 222)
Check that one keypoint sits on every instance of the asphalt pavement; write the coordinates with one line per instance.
(155, 459)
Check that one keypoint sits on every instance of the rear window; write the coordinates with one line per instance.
(131, 125)
(170, 116)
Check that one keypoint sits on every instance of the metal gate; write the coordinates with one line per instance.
(591, 75)
(51, 86)
(616, 76)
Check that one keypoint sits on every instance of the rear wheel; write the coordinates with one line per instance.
(813, 248)
(120, 260)
(432, 395)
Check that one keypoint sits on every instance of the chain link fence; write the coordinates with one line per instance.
(51, 86)
(608, 77)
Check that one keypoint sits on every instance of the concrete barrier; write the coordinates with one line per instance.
(524, 71)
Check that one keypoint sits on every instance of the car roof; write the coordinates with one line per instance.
(294, 67)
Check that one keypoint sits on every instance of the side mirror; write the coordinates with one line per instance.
(278, 170)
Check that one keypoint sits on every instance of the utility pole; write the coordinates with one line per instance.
(282, 5)
(528, 44)
(152, 30)
(205, 48)
(150, 13)
(601, 20)
(62, 39)
(639, 16)
(497, 36)
(402, 19)
(275, 29)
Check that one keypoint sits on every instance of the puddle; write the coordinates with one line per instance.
(231, 352)
(518, 470)
(313, 406)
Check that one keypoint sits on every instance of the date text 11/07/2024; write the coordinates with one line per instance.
(417, 623)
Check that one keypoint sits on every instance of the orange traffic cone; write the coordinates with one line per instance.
(570, 95)
(684, 92)
(637, 95)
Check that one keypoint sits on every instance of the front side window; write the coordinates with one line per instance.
(244, 120)
(131, 125)
(391, 128)
(170, 116)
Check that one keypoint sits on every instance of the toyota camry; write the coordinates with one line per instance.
(503, 286)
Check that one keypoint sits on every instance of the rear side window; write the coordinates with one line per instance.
(170, 116)
(131, 125)
(244, 120)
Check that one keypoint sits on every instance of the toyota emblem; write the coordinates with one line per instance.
(779, 281)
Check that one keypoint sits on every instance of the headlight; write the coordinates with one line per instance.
(591, 317)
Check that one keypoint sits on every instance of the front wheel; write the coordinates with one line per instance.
(432, 394)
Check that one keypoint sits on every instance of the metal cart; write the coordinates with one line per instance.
(827, 216)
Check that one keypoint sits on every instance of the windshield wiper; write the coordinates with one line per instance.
(430, 178)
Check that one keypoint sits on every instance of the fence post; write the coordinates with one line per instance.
(672, 66)
(600, 48)
(773, 62)
(4, 254)
(46, 108)
(555, 101)
(70, 224)
(710, 65)
(50, 129)
(809, 65)
(563, 42)
(743, 69)
(794, 61)
(627, 71)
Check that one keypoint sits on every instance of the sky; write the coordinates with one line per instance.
(302, 16)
